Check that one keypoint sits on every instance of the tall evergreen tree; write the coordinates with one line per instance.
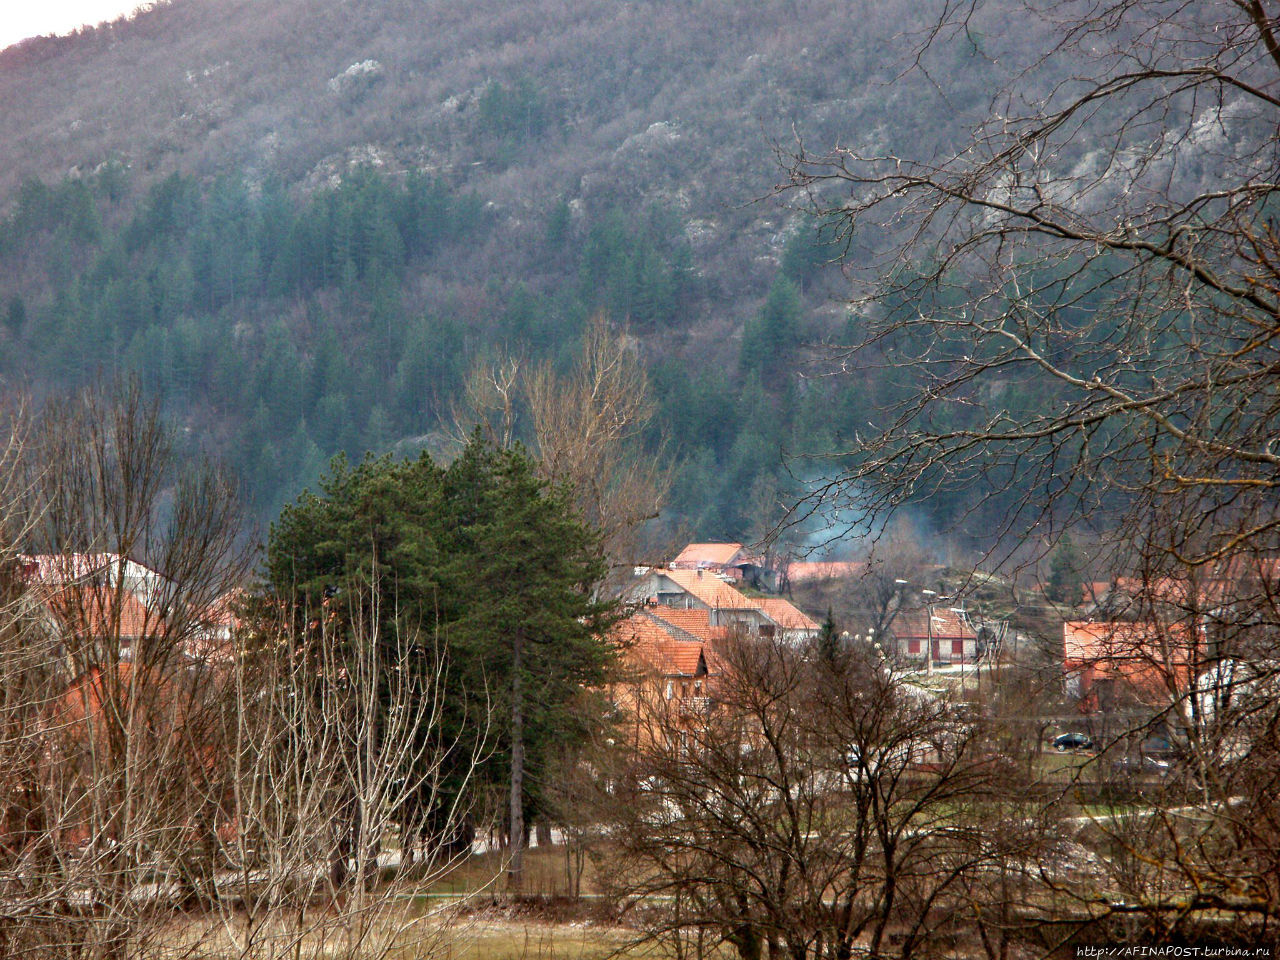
(769, 339)
(523, 568)
(484, 558)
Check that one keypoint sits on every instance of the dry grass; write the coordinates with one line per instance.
(527, 940)
(463, 916)
(413, 930)
(546, 875)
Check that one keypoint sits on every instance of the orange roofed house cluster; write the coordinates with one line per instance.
(1110, 664)
(724, 604)
(669, 642)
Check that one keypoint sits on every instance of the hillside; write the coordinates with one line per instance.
(296, 88)
(302, 222)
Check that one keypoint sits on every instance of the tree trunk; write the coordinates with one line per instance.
(348, 827)
(515, 872)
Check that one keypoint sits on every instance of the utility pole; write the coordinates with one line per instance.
(931, 597)
(961, 613)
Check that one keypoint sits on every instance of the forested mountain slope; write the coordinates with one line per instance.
(303, 222)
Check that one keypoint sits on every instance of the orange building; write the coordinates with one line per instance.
(668, 676)
(1115, 663)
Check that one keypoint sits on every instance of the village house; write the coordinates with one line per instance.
(726, 606)
(1146, 639)
(100, 570)
(666, 687)
(730, 560)
(105, 606)
(130, 697)
(949, 632)
(1115, 663)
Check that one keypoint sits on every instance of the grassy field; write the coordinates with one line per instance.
(530, 940)
(546, 869)
(457, 937)
(466, 915)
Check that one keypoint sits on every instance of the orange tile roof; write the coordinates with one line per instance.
(799, 571)
(89, 611)
(637, 629)
(1094, 590)
(710, 589)
(680, 658)
(1112, 641)
(786, 614)
(696, 623)
(1150, 658)
(707, 554)
(647, 643)
(1237, 578)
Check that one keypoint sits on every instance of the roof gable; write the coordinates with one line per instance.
(710, 590)
(707, 555)
(693, 622)
(786, 614)
(940, 624)
(648, 643)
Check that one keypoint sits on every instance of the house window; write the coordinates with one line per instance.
(670, 690)
(957, 649)
(913, 646)
(767, 629)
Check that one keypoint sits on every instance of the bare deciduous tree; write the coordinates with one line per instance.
(490, 402)
(822, 807)
(1089, 290)
(117, 566)
(586, 427)
(337, 761)
(171, 787)
(1094, 242)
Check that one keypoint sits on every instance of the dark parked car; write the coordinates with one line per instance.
(1072, 741)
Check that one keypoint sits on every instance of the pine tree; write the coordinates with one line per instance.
(527, 611)
(829, 639)
(769, 339)
(484, 558)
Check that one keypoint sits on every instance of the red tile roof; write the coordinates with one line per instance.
(693, 622)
